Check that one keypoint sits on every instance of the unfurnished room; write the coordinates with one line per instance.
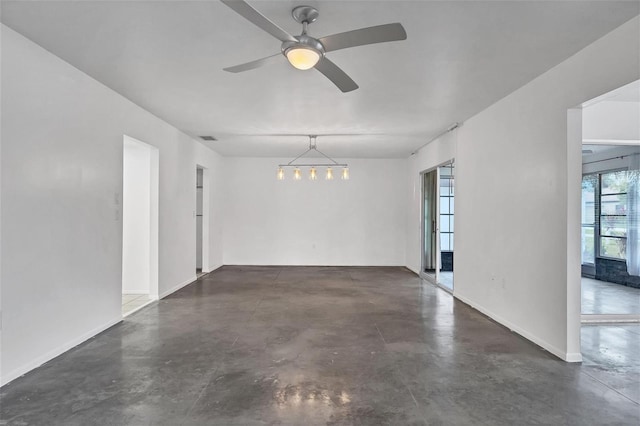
(228, 212)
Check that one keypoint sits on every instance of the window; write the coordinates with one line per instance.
(604, 216)
(589, 185)
(613, 214)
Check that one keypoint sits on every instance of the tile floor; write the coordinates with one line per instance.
(131, 302)
(601, 297)
(323, 346)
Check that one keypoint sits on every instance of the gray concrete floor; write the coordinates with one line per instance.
(446, 279)
(601, 297)
(131, 302)
(611, 355)
(314, 346)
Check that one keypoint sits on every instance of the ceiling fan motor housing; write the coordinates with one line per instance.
(305, 42)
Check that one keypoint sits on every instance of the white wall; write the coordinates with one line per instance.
(513, 260)
(61, 214)
(356, 222)
(610, 121)
(136, 218)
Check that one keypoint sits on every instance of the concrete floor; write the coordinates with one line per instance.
(446, 279)
(610, 354)
(131, 302)
(601, 297)
(314, 346)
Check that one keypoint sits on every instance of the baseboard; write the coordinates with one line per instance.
(150, 301)
(412, 270)
(573, 357)
(568, 357)
(213, 269)
(21, 371)
(178, 287)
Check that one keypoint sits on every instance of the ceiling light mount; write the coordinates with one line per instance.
(304, 14)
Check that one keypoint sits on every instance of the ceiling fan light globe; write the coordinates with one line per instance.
(302, 58)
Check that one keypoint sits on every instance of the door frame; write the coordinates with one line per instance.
(206, 191)
(432, 279)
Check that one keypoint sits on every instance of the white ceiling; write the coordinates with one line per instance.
(459, 58)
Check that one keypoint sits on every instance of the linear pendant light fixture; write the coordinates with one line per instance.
(313, 171)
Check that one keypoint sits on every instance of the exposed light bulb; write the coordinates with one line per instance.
(345, 173)
(313, 175)
(329, 174)
(302, 58)
(297, 175)
(280, 174)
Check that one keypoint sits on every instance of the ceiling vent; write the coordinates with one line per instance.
(208, 138)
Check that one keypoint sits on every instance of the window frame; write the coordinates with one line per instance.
(598, 213)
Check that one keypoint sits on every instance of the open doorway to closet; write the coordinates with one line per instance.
(139, 225)
(438, 225)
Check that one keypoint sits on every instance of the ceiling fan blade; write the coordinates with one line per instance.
(336, 75)
(254, 64)
(249, 13)
(369, 35)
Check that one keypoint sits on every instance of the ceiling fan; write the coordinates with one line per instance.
(305, 52)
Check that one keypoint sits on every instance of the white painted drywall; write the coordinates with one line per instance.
(62, 168)
(516, 244)
(610, 121)
(356, 222)
(136, 218)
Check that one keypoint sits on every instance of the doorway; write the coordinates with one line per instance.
(437, 225)
(610, 207)
(139, 225)
(603, 275)
(202, 221)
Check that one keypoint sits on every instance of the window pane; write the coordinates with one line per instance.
(452, 199)
(444, 242)
(614, 182)
(613, 247)
(451, 241)
(588, 246)
(444, 223)
(444, 204)
(589, 183)
(613, 226)
(613, 204)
